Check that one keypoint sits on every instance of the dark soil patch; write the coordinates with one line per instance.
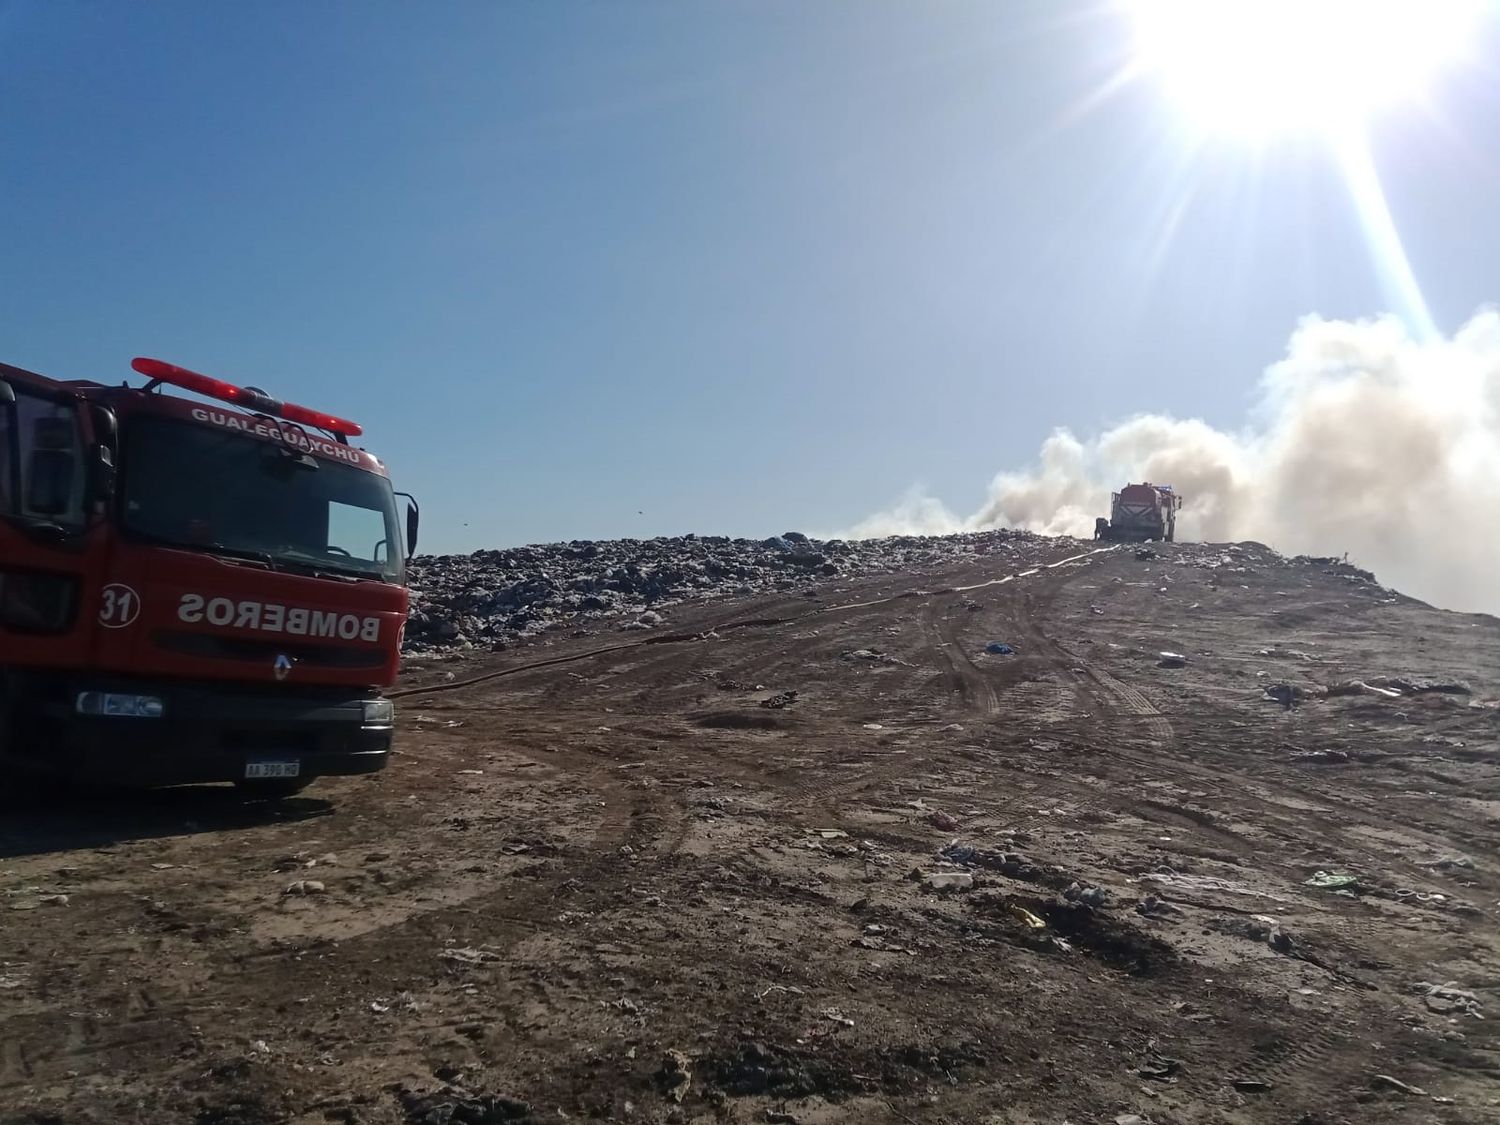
(1082, 929)
(741, 720)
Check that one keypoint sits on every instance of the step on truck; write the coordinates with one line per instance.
(193, 591)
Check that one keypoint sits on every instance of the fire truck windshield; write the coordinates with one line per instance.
(203, 489)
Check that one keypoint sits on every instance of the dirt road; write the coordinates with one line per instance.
(623, 888)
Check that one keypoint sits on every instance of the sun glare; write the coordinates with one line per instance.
(1264, 67)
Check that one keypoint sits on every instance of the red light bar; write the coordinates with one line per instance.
(242, 396)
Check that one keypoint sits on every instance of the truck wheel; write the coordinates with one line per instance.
(273, 789)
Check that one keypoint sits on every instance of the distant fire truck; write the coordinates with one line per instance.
(192, 592)
(1139, 512)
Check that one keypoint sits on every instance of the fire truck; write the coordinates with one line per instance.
(1140, 512)
(193, 591)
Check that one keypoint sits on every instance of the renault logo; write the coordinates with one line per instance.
(282, 666)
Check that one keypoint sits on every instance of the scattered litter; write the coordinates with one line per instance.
(1447, 999)
(1131, 1119)
(53, 900)
(1288, 695)
(1268, 928)
(1359, 687)
(952, 727)
(833, 833)
(995, 648)
(467, 955)
(838, 1017)
(1151, 906)
(1323, 757)
(161, 867)
(1159, 1068)
(949, 880)
(1089, 896)
(1329, 881)
(675, 1076)
(779, 700)
(472, 773)
(1251, 1085)
(1396, 1084)
(945, 821)
(776, 1117)
(1452, 862)
(770, 988)
(1206, 883)
(1028, 917)
(873, 726)
(879, 945)
(305, 887)
(1171, 660)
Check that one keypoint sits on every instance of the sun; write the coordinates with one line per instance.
(1267, 67)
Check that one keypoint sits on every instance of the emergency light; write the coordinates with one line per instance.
(249, 398)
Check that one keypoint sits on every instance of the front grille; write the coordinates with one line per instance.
(235, 648)
(272, 741)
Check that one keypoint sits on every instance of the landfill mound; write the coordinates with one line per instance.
(993, 830)
(492, 599)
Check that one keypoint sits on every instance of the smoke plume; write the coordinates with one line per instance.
(1365, 441)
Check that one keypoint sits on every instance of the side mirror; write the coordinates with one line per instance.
(413, 520)
(7, 395)
(49, 481)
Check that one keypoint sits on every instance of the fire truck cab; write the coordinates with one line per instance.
(193, 592)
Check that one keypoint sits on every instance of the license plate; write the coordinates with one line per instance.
(272, 769)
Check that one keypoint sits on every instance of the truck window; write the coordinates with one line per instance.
(207, 489)
(49, 464)
(8, 454)
(358, 532)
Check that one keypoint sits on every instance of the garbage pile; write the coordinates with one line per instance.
(491, 599)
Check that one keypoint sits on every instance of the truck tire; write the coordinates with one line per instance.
(273, 789)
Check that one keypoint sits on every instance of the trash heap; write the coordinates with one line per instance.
(491, 599)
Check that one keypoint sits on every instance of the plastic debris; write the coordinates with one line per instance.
(1448, 999)
(1171, 660)
(995, 648)
(1329, 881)
(305, 887)
(466, 955)
(1028, 917)
(949, 880)
(1359, 687)
(1396, 1084)
(945, 821)
(1089, 896)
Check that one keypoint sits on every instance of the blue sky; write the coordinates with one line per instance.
(599, 269)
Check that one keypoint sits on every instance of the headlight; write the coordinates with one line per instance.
(116, 704)
(379, 713)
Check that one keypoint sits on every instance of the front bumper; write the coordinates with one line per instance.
(206, 733)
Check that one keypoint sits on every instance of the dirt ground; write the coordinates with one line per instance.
(621, 888)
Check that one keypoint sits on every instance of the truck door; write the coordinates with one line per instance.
(48, 555)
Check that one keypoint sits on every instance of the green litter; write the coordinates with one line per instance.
(1330, 881)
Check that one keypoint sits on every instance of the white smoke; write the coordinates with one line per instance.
(1365, 441)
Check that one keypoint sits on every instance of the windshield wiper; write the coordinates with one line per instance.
(244, 553)
(308, 558)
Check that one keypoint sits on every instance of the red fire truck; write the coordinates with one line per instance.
(193, 592)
